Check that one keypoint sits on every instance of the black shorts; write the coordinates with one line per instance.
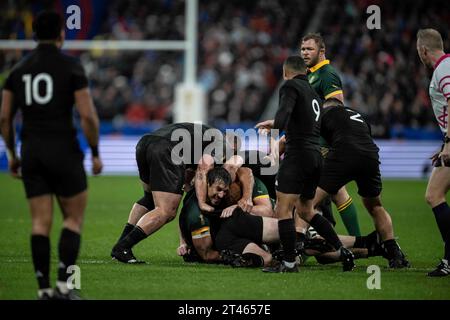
(52, 166)
(237, 231)
(299, 173)
(365, 171)
(156, 168)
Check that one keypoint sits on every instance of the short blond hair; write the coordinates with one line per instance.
(430, 39)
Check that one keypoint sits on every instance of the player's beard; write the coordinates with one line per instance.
(313, 61)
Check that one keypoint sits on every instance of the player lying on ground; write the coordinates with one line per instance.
(195, 233)
(239, 238)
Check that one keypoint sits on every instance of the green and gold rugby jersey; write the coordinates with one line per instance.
(325, 80)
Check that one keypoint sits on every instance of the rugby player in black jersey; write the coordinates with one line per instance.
(45, 85)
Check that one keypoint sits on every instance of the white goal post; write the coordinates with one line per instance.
(190, 99)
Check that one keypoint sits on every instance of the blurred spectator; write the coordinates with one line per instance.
(242, 45)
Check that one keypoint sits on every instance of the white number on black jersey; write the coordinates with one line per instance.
(32, 88)
(316, 108)
(356, 116)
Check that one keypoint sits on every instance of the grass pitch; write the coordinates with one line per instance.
(166, 276)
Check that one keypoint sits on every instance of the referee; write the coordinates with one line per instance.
(44, 86)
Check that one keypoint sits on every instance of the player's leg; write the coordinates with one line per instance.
(166, 205)
(140, 207)
(146, 203)
(347, 210)
(438, 186)
(368, 180)
(286, 229)
(41, 208)
(256, 256)
(73, 209)
(325, 229)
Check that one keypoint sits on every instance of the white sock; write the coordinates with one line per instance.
(48, 291)
(289, 264)
(62, 286)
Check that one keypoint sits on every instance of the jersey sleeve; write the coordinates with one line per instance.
(443, 77)
(79, 79)
(9, 82)
(259, 190)
(287, 104)
(331, 85)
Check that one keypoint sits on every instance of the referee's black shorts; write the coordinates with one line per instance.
(52, 166)
(299, 173)
(339, 170)
(155, 165)
(239, 230)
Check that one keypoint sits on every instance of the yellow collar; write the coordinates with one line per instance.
(319, 65)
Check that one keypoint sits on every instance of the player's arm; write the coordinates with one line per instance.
(90, 125)
(204, 248)
(8, 132)
(262, 206)
(332, 87)
(287, 104)
(245, 177)
(445, 154)
(183, 247)
(205, 164)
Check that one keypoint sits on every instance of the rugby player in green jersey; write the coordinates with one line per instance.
(326, 82)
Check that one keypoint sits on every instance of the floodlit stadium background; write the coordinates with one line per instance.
(236, 60)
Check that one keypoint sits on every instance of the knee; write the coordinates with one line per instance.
(433, 199)
(74, 223)
(169, 214)
(41, 226)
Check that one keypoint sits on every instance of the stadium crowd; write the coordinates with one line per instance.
(242, 45)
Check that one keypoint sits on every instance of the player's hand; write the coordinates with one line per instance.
(228, 212)
(246, 205)
(183, 249)
(434, 158)
(272, 159)
(205, 207)
(97, 165)
(14, 167)
(445, 155)
(264, 127)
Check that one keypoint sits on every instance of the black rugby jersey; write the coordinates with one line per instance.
(43, 84)
(347, 133)
(299, 114)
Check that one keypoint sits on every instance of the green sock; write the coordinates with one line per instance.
(349, 217)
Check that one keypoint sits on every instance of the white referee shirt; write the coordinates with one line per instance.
(440, 90)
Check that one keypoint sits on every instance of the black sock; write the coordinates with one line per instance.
(390, 247)
(68, 248)
(300, 237)
(360, 242)
(327, 210)
(442, 216)
(128, 228)
(253, 260)
(286, 229)
(135, 236)
(40, 252)
(324, 228)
